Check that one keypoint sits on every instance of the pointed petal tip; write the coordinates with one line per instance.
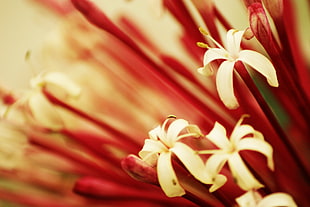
(219, 181)
(230, 103)
(273, 83)
(205, 71)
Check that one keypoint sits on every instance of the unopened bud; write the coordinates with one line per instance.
(139, 170)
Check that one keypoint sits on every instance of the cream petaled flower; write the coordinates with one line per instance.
(254, 199)
(230, 55)
(157, 151)
(34, 106)
(243, 137)
(58, 80)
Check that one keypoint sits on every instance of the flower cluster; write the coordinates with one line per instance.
(163, 143)
(76, 137)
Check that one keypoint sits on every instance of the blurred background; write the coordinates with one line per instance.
(23, 27)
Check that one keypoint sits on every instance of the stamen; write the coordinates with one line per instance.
(204, 32)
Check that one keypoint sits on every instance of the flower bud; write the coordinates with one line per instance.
(139, 170)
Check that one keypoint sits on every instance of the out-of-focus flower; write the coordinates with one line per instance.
(232, 54)
(115, 70)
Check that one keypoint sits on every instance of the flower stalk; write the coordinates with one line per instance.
(237, 138)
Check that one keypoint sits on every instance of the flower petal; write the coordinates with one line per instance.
(224, 84)
(215, 163)
(248, 199)
(234, 38)
(194, 129)
(44, 112)
(218, 136)
(240, 131)
(260, 146)
(242, 174)
(150, 150)
(155, 133)
(218, 182)
(277, 199)
(192, 161)
(162, 134)
(206, 70)
(174, 130)
(167, 177)
(261, 64)
(214, 54)
(60, 81)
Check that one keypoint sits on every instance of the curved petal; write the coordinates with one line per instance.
(258, 135)
(162, 132)
(215, 163)
(224, 84)
(242, 174)
(150, 151)
(191, 160)
(155, 133)
(218, 182)
(166, 176)
(218, 136)
(261, 64)
(214, 54)
(43, 112)
(174, 130)
(234, 38)
(194, 129)
(60, 81)
(206, 70)
(258, 145)
(249, 199)
(277, 199)
(239, 132)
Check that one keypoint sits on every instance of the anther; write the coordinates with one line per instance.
(171, 117)
(202, 45)
(203, 31)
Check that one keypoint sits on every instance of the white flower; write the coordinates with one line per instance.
(157, 151)
(35, 108)
(57, 81)
(254, 199)
(230, 55)
(243, 137)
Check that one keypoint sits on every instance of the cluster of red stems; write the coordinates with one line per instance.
(89, 165)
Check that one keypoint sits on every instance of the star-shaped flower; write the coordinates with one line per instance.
(254, 199)
(163, 143)
(243, 137)
(230, 55)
